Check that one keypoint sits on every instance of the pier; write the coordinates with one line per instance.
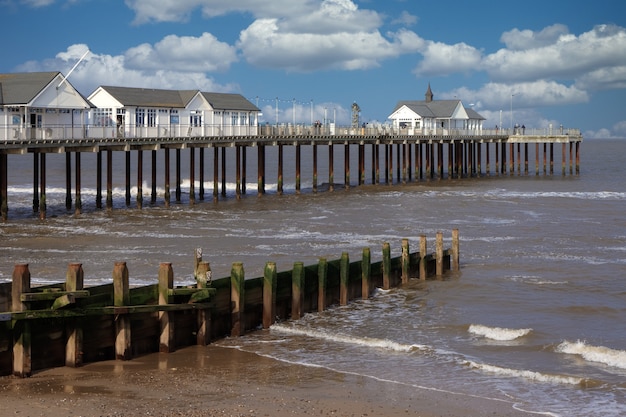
(68, 324)
(394, 158)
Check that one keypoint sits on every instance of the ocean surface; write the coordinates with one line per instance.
(535, 317)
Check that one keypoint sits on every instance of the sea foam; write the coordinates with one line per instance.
(600, 354)
(526, 374)
(498, 333)
(347, 339)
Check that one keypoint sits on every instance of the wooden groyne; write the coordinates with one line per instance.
(392, 159)
(66, 324)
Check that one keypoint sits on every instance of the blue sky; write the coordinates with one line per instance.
(551, 61)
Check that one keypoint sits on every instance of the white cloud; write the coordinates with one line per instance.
(440, 59)
(102, 69)
(263, 44)
(519, 40)
(186, 53)
(567, 57)
(405, 19)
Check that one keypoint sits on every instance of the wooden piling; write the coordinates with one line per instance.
(223, 172)
(269, 294)
(238, 172)
(167, 194)
(166, 318)
(405, 261)
(314, 168)
(78, 206)
(298, 165)
(153, 169)
(99, 179)
(344, 277)
(4, 183)
(423, 265)
(386, 266)
(297, 290)
(121, 297)
(237, 299)
(322, 272)
(331, 169)
(74, 280)
(68, 182)
(279, 183)
(346, 164)
(216, 171)
(366, 270)
(178, 191)
(22, 350)
(42, 185)
(439, 254)
(127, 160)
(109, 202)
(192, 176)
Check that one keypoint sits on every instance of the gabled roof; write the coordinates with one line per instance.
(436, 108)
(21, 88)
(224, 101)
(150, 97)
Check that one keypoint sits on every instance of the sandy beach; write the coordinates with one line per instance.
(218, 381)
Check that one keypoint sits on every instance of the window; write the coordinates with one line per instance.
(244, 119)
(102, 117)
(195, 118)
(174, 119)
(140, 117)
(151, 117)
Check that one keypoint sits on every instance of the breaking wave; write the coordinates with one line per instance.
(498, 333)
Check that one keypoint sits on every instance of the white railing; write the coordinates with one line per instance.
(52, 132)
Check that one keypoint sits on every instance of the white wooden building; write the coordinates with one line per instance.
(430, 117)
(40, 105)
(143, 112)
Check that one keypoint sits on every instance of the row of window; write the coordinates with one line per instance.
(148, 117)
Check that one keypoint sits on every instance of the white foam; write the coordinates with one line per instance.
(599, 354)
(498, 333)
(347, 339)
(522, 373)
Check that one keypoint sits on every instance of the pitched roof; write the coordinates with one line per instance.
(439, 109)
(224, 101)
(150, 97)
(21, 88)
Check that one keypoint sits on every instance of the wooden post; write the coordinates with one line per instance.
(269, 294)
(121, 297)
(243, 168)
(386, 266)
(406, 262)
(109, 202)
(346, 163)
(166, 318)
(99, 179)
(22, 361)
(314, 168)
(237, 298)
(423, 249)
(4, 205)
(439, 253)
(298, 163)
(223, 172)
(167, 195)
(279, 185)
(74, 280)
(563, 158)
(127, 195)
(192, 176)
(78, 206)
(322, 271)
(201, 174)
(366, 268)
(153, 193)
(216, 167)
(455, 250)
(261, 170)
(178, 191)
(238, 172)
(203, 279)
(42, 185)
(297, 290)
(344, 276)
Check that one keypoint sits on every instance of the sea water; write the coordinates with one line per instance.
(535, 317)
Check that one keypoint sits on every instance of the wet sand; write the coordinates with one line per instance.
(218, 381)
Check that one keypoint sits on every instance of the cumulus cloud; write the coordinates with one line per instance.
(102, 69)
(440, 59)
(405, 19)
(180, 10)
(519, 40)
(566, 57)
(183, 53)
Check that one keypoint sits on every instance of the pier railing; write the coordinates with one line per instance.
(67, 324)
(44, 132)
